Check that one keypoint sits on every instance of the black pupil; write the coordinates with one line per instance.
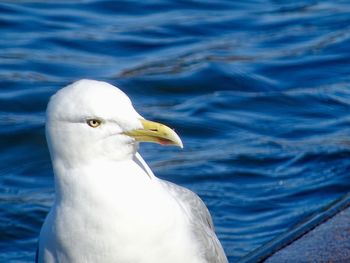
(93, 122)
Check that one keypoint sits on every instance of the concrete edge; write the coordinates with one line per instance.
(319, 217)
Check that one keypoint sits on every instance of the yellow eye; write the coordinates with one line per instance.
(94, 123)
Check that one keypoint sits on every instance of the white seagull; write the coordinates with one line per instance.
(109, 206)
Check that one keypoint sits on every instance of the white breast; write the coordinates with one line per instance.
(101, 216)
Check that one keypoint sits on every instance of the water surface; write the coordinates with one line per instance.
(258, 91)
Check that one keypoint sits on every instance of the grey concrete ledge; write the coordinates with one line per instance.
(322, 237)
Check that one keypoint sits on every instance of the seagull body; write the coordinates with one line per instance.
(109, 206)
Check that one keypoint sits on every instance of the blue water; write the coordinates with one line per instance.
(259, 91)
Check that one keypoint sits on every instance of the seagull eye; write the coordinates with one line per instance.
(94, 123)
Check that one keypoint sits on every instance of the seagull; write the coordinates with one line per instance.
(109, 206)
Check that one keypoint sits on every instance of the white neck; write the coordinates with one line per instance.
(131, 212)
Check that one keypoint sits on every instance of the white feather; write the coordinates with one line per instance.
(109, 207)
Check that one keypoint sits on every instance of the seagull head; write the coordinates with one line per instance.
(92, 120)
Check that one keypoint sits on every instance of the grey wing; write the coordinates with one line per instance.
(201, 221)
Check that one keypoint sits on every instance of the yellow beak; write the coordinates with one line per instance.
(155, 132)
